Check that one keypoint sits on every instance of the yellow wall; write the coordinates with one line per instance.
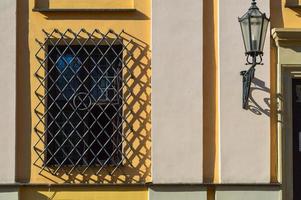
(281, 17)
(137, 24)
(87, 3)
(284, 17)
(83, 193)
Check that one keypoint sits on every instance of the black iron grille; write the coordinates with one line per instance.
(84, 105)
(83, 110)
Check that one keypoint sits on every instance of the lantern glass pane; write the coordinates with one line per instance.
(264, 32)
(246, 33)
(256, 27)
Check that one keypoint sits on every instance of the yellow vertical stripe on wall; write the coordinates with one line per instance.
(210, 112)
(217, 133)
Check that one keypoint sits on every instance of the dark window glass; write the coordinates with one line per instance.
(84, 105)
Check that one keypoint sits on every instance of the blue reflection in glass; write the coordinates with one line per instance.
(67, 65)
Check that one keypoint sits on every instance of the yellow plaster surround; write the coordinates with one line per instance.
(137, 25)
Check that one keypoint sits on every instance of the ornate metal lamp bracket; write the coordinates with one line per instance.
(247, 77)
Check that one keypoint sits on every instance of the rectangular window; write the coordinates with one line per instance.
(92, 104)
(84, 105)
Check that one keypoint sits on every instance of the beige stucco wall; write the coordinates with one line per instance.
(177, 141)
(248, 193)
(7, 90)
(244, 135)
(8, 193)
(177, 193)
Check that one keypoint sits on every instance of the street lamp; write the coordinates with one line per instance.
(254, 25)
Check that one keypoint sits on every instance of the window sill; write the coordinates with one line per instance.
(84, 10)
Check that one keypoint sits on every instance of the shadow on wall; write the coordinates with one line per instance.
(297, 10)
(276, 13)
(23, 96)
(262, 107)
(94, 15)
(136, 103)
(277, 18)
(41, 3)
(293, 2)
(70, 15)
(210, 168)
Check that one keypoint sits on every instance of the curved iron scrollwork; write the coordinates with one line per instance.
(247, 77)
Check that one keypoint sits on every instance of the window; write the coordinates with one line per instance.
(84, 117)
(84, 105)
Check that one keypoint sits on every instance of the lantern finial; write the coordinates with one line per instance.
(253, 5)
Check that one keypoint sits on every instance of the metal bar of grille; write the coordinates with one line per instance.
(85, 86)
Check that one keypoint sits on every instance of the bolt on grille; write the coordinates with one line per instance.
(86, 102)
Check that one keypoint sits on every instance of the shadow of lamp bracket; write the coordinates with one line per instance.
(254, 25)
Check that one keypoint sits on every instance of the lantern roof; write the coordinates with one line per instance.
(253, 12)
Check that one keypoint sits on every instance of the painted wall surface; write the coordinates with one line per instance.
(258, 193)
(177, 91)
(91, 4)
(283, 16)
(137, 25)
(83, 193)
(177, 193)
(244, 134)
(7, 90)
(288, 18)
(7, 193)
(288, 67)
